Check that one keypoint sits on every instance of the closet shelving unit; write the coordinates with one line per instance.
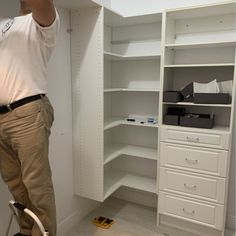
(120, 68)
(132, 52)
(116, 76)
(198, 45)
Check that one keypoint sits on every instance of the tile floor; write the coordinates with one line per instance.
(129, 221)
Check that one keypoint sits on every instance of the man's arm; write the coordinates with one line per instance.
(43, 11)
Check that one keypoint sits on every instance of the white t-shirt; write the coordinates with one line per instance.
(25, 49)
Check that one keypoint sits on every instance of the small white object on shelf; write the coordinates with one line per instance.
(211, 87)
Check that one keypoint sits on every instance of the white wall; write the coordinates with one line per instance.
(137, 7)
(8, 8)
(69, 207)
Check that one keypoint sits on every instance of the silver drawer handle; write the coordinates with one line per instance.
(191, 161)
(194, 187)
(189, 212)
(194, 140)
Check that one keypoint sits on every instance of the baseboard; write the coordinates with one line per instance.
(231, 222)
(71, 221)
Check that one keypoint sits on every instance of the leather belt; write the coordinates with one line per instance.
(14, 105)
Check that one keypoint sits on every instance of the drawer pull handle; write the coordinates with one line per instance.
(191, 161)
(194, 187)
(188, 212)
(194, 140)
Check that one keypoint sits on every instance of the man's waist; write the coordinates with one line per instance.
(21, 102)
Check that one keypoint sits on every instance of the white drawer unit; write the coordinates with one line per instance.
(195, 148)
(195, 138)
(200, 212)
(199, 186)
(200, 160)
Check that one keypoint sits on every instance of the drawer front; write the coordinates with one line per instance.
(210, 189)
(194, 138)
(197, 212)
(200, 160)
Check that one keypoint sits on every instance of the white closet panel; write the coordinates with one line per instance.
(87, 86)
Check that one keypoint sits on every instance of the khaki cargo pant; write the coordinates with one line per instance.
(24, 164)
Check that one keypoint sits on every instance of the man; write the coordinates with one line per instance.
(26, 115)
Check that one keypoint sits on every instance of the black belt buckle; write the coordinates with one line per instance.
(5, 109)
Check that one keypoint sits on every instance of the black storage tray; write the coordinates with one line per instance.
(203, 121)
(172, 96)
(211, 98)
(187, 93)
(171, 119)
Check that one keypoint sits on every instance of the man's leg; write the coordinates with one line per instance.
(29, 135)
(11, 174)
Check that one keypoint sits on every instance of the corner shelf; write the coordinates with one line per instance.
(131, 90)
(115, 179)
(115, 19)
(114, 122)
(115, 150)
(119, 57)
(201, 45)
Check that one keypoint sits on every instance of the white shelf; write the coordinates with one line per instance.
(115, 150)
(202, 11)
(131, 90)
(114, 122)
(200, 65)
(216, 129)
(119, 57)
(194, 104)
(114, 179)
(201, 45)
(115, 19)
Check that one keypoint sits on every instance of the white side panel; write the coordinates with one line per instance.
(87, 86)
